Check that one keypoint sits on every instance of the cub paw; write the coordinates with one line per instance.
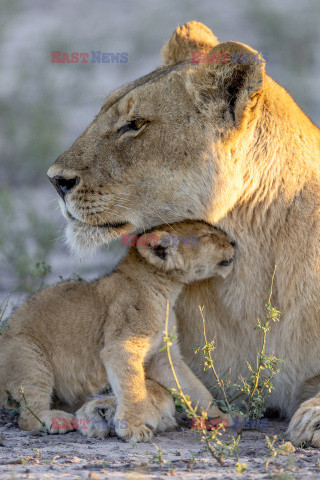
(53, 421)
(305, 425)
(95, 418)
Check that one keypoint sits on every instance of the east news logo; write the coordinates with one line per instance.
(85, 57)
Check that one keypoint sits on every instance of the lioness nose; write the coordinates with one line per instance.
(64, 185)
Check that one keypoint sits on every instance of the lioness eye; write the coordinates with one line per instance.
(134, 124)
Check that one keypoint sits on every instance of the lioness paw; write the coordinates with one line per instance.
(133, 433)
(220, 417)
(305, 425)
(95, 418)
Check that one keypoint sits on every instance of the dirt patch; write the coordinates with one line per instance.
(36, 456)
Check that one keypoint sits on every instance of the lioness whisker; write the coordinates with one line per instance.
(148, 212)
(113, 213)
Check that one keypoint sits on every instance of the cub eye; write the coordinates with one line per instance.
(133, 125)
(226, 263)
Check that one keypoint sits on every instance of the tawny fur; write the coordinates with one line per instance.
(224, 143)
(70, 340)
(191, 36)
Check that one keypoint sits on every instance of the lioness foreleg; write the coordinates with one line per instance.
(159, 369)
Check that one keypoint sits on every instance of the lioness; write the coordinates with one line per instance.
(219, 141)
(70, 340)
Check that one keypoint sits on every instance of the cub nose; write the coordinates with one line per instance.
(64, 185)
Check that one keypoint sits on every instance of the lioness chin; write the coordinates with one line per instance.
(72, 339)
(222, 142)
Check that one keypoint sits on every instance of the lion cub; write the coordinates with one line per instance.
(69, 341)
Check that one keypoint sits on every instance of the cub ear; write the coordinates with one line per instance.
(231, 76)
(192, 36)
(158, 250)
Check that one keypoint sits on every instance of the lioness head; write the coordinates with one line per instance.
(166, 147)
(189, 251)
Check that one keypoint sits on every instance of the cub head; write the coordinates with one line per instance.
(166, 147)
(189, 251)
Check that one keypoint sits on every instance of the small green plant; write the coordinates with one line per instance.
(272, 451)
(241, 467)
(73, 277)
(285, 448)
(192, 461)
(304, 444)
(50, 461)
(224, 387)
(158, 456)
(256, 388)
(210, 437)
(42, 269)
(38, 452)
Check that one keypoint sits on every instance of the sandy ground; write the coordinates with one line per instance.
(37, 456)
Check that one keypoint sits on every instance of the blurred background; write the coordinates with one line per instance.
(44, 106)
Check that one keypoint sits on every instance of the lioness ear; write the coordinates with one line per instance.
(231, 75)
(192, 36)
